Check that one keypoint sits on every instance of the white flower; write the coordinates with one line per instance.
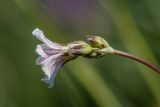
(51, 56)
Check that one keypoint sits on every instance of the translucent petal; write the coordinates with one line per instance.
(40, 35)
(55, 71)
(51, 71)
(40, 51)
(40, 60)
(43, 50)
(48, 63)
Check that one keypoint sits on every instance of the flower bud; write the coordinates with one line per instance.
(97, 42)
(79, 48)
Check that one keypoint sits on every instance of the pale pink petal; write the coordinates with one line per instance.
(48, 63)
(40, 51)
(40, 35)
(50, 51)
(51, 82)
(44, 50)
(40, 60)
(54, 71)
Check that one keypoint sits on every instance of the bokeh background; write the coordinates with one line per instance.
(128, 25)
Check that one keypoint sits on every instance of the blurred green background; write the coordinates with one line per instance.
(128, 25)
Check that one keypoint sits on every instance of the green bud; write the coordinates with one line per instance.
(79, 48)
(97, 42)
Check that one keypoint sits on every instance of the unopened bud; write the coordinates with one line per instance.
(97, 42)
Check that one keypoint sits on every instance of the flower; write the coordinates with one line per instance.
(51, 56)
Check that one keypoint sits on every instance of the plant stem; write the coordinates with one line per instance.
(124, 54)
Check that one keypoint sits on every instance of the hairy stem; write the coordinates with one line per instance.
(124, 54)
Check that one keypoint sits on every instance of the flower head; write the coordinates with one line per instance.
(51, 56)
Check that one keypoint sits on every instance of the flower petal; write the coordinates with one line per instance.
(40, 60)
(40, 51)
(47, 64)
(50, 69)
(50, 51)
(44, 61)
(54, 72)
(40, 35)
(43, 50)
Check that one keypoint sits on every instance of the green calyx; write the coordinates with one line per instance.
(79, 48)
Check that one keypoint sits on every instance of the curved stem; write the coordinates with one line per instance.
(124, 54)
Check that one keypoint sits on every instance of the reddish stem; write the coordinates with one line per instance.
(124, 54)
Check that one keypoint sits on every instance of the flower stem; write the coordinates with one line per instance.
(124, 54)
